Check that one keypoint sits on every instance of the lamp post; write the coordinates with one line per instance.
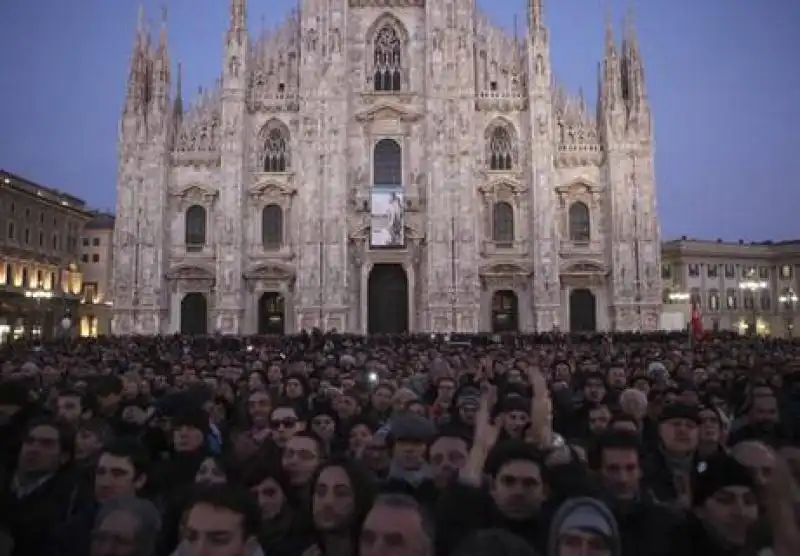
(754, 287)
(789, 302)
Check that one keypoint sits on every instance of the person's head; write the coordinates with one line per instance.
(126, 526)
(46, 446)
(256, 382)
(468, 403)
(270, 486)
(342, 493)
(447, 455)
(599, 418)
(758, 458)
(724, 499)
(90, 438)
(323, 423)
(347, 405)
(358, 436)
(302, 456)
(213, 470)
(445, 389)
(220, 520)
(764, 410)
(410, 435)
(376, 454)
(617, 377)
(284, 423)
(584, 526)
(259, 407)
(108, 393)
(402, 398)
(619, 465)
(397, 526)
(293, 387)
(517, 485)
(710, 426)
(594, 388)
(514, 416)
(72, 407)
(633, 403)
(678, 428)
(190, 428)
(121, 470)
(381, 398)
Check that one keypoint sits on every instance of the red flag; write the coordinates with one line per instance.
(697, 321)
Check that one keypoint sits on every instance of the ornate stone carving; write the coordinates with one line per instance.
(387, 111)
(502, 188)
(196, 194)
(191, 279)
(296, 75)
(198, 136)
(268, 188)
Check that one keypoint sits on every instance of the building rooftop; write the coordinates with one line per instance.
(101, 221)
(742, 243)
(50, 194)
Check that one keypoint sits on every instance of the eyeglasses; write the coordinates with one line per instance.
(283, 423)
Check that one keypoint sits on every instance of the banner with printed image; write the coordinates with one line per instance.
(387, 218)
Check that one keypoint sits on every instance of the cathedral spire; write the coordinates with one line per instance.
(161, 64)
(238, 15)
(632, 68)
(237, 29)
(535, 15)
(610, 90)
(137, 76)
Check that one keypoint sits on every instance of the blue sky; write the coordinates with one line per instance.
(722, 77)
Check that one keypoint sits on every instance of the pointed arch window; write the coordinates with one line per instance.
(272, 227)
(388, 63)
(500, 150)
(503, 223)
(276, 150)
(195, 233)
(387, 161)
(579, 222)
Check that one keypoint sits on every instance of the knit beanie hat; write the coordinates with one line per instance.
(716, 473)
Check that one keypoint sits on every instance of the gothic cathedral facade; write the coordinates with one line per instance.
(382, 167)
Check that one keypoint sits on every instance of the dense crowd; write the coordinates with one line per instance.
(337, 445)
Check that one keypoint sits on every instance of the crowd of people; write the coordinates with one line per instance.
(420, 445)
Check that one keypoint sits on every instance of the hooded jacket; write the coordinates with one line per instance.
(569, 508)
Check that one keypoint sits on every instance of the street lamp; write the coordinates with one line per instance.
(678, 297)
(789, 301)
(754, 287)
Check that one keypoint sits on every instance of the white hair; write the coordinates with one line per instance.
(147, 517)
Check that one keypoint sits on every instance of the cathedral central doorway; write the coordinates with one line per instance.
(387, 299)
(582, 311)
(271, 313)
(505, 312)
(194, 314)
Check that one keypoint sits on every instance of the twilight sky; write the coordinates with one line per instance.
(722, 75)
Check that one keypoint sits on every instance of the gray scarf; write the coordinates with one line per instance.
(414, 477)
